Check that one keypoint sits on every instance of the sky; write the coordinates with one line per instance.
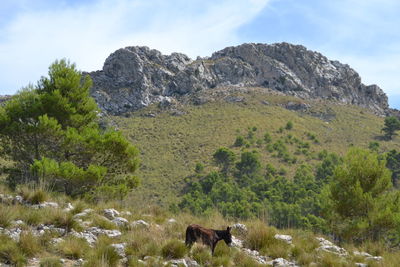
(362, 33)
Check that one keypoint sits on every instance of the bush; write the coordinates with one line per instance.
(174, 249)
(289, 125)
(239, 141)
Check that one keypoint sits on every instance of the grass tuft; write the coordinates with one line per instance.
(29, 244)
(73, 247)
(50, 262)
(10, 253)
(6, 216)
(174, 249)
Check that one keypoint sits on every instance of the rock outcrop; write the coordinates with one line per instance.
(134, 77)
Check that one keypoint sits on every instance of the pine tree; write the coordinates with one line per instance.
(52, 133)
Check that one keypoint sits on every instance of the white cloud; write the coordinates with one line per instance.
(87, 34)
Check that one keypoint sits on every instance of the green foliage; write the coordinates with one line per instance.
(362, 205)
(392, 124)
(224, 158)
(199, 168)
(393, 164)
(289, 125)
(374, 146)
(267, 138)
(239, 141)
(52, 133)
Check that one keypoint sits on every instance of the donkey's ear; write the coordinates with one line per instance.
(228, 229)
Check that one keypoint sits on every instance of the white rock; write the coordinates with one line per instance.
(241, 228)
(328, 246)
(281, 262)
(191, 263)
(237, 242)
(48, 205)
(110, 213)
(120, 249)
(18, 199)
(17, 222)
(374, 258)
(172, 220)
(14, 233)
(126, 213)
(84, 213)
(256, 256)
(361, 264)
(140, 223)
(176, 263)
(362, 254)
(120, 221)
(284, 238)
(68, 207)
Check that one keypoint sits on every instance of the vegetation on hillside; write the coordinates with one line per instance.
(352, 198)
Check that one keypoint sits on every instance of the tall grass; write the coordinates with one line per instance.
(10, 252)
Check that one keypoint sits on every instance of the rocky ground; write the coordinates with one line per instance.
(122, 220)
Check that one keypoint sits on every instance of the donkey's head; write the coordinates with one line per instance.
(226, 235)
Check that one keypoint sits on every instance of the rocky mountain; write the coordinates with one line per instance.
(134, 77)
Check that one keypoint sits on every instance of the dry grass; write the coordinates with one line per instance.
(73, 247)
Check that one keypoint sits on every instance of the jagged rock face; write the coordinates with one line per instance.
(134, 77)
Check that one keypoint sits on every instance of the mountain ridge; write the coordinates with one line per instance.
(135, 77)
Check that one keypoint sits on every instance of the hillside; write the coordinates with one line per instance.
(173, 137)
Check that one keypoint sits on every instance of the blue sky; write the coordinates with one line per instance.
(362, 33)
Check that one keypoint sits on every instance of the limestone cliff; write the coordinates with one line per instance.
(134, 77)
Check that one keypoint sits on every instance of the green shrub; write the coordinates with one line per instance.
(50, 262)
(289, 125)
(239, 141)
(174, 249)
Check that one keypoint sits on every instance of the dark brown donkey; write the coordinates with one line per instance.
(209, 237)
